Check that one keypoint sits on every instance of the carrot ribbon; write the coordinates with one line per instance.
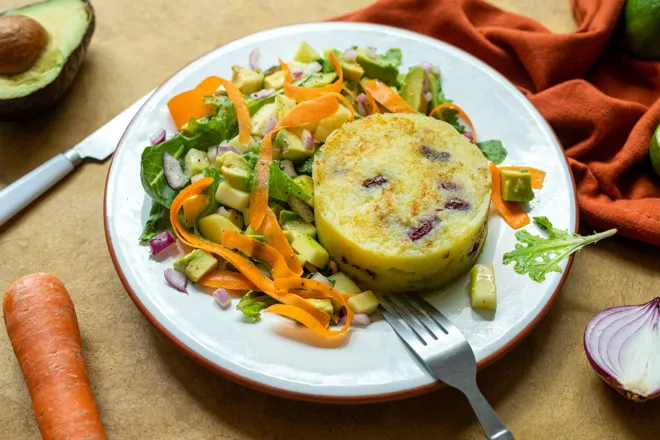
(511, 212)
(461, 113)
(386, 96)
(306, 93)
(226, 279)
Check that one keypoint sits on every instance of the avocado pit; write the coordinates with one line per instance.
(22, 41)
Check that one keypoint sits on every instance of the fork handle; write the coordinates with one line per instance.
(488, 418)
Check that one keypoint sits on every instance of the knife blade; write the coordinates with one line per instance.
(99, 145)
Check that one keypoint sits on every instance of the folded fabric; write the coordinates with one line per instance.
(601, 102)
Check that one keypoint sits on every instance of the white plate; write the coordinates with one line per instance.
(374, 365)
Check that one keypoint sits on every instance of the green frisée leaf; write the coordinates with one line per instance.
(252, 303)
(537, 256)
(393, 56)
(493, 150)
(158, 221)
(307, 166)
(281, 186)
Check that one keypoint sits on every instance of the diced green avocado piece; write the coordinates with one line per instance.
(180, 264)
(213, 226)
(200, 266)
(291, 147)
(196, 161)
(483, 293)
(310, 249)
(306, 53)
(343, 284)
(352, 70)
(412, 89)
(246, 80)
(232, 197)
(327, 125)
(436, 93)
(377, 68)
(260, 119)
(319, 79)
(287, 216)
(237, 178)
(300, 226)
(234, 142)
(283, 104)
(236, 218)
(233, 160)
(275, 207)
(275, 81)
(307, 183)
(365, 302)
(516, 186)
(322, 304)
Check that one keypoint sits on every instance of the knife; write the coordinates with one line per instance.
(99, 145)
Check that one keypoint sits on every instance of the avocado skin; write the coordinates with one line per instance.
(45, 97)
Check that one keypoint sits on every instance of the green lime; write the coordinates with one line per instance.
(641, 19)
(654, 151)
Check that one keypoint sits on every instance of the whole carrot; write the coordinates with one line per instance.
(43, 329)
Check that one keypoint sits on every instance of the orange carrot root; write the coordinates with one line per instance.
(43, 330)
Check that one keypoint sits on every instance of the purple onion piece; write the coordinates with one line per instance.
(213, 153)
(297, 74)
(469, 135)
(222, 297)
(427, 66)
(161, 242)
(254, 57)
(302, 209)
(350, 54)
(158, 137)
(176, 279)
(196, 177)
(308, 140)
(312, 67)
(223, 211)
(261, 94)
(361, 103)
(225, 148)
(427, 96)
(174, 175)
(287, 167)
(371, 51)
(318, 276)
(270, 124)
(361, 320)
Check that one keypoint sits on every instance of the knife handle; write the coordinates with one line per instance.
(25, 190)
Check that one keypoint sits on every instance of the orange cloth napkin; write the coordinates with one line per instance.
(601, 103)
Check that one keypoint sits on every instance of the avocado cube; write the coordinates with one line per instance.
(343, 284)
(235, 169)
(232, 197)
(365, 302)
(352, 70)
(377, 68)
(291, 146)
(516, 186)
(236, 218)
(193, 206)
(283, 104)
(306, 53)
(412, 89)
(322, 304)
(233, 160)
(180, 264)
(196, 161)
(237, 178)
(213, 226)
(287, 216)
(310, 249)
(234, 142)
(275, 80)
(483, 293)
(260, 119)
(300, 226)
(246, 80)
(202, 264)
(331, 123)
(319, 79)
(307, 183)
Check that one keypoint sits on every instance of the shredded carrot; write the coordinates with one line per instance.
(259, 251)
(242, 112)
(307, 93)
(461, 113)
(350, 93)
(306, 319)
(273, 235)
(387, 97)
(190, 104)
(511, 212)
(242, 264)
(538, 176)
(372, 103)
(226, 279)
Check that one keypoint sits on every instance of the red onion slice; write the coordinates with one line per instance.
(469, 135)
(270, 124)
(361, 103)
(312, 67)
(174, 175)
(361, 320)
(225, 148)
(254, 57)
(308, 140)
(222, 297)
(426, 66)
(223, 211)
(301, 208)
(213, 153)
(350, 54)
(161, 242)
(261, 94)
(623, 346)
(297, 74)
(158, 137)
(287, 167)
(176, 279)
(427, 96)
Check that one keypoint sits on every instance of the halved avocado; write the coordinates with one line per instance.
(70, 25)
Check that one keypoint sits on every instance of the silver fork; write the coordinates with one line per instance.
(442, 348)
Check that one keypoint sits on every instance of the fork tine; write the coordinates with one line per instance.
(431, 326)
(440, 319)
(410, 317)
(393, 317)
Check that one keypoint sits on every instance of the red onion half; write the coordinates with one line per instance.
(623, 347)
(161, 242)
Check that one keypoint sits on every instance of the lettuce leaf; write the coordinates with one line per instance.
(493, 150)
(158, 221)
(307, 166)
(281, 186)
(252, 303)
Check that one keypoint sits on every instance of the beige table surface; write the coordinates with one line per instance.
(147, 389)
